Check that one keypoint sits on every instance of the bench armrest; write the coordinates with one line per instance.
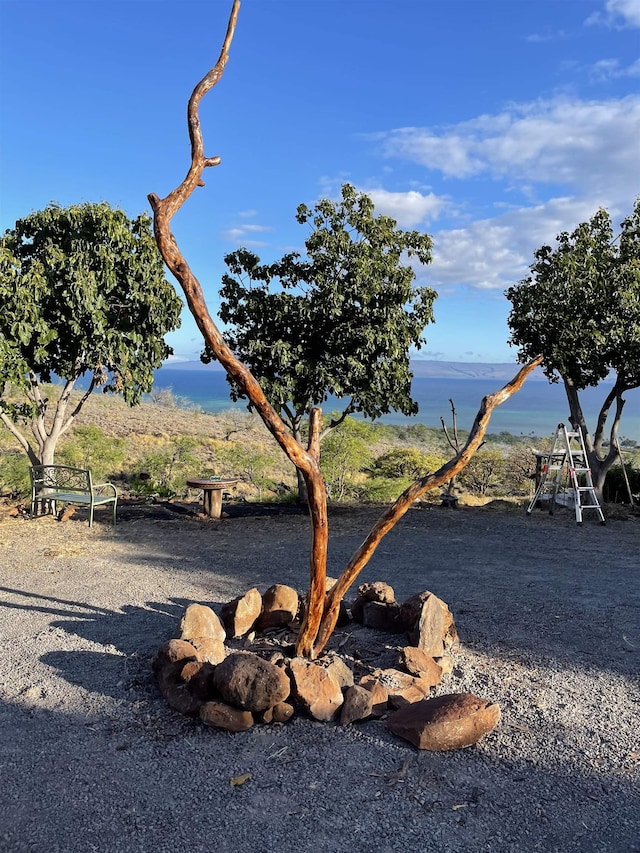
(104, 489)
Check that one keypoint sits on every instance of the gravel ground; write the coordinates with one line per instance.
(93, 760)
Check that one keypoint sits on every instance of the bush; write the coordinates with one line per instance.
(615, 486)
(345, 454)
(167, 469)
(89, 447)
(14, 474)
(407, 462)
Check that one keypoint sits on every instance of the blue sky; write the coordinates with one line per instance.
(491, 125)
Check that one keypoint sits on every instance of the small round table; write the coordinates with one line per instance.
(212, 494)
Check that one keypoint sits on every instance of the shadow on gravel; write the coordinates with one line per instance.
(539, 586)
(165, 787)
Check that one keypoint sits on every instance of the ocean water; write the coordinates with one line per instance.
(535, 410)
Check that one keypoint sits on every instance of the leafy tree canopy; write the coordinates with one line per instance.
(82, 291)
(339, 321)
(580, 307)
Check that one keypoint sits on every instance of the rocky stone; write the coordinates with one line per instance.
(172, 651)
(445, 722)
(316, 689)
(239, 616)
(377, 591)
(251, 683)
(167, 666)
(357, 705)
(223, 716)
(200, 621)
(280, 713)
(417, 662)
(199, 676)
(402, 687)
(190, 669)
(445, 663)
(379, 695)
(280, 605)
(429, 623)
(339, 669)
(381, 616)
(209, 650)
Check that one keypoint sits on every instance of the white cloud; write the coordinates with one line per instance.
(588, 145)
(617, 13)
(548, 35)
(239, 234)
(407, 208)
(610, 69)
(491, 254)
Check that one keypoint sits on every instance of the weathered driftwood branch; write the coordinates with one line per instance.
(305, 460)
(322, 609)
(395, 512)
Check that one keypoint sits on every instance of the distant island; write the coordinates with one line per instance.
(421, 368)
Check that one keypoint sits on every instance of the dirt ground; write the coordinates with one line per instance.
(548, 614)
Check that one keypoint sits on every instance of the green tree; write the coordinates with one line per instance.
(337, 322)
(346, 451)
(580, 308)
(407, 462)
(485, 471)
(83, 293)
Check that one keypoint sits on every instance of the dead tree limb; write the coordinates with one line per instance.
(305, 460)
(395, 512)
(322, 609)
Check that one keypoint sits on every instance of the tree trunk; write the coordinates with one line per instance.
(395, 512)
(599, 460)
(303, 491)
(322, 609)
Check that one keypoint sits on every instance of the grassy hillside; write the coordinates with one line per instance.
(151, 449)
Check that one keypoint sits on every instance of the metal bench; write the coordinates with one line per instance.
(52, 483)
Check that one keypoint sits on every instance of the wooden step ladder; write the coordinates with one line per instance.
(566, 473)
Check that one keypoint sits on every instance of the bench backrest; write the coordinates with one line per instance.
(61, 478)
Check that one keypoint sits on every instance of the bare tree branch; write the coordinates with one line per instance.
(395, 512)
(163, 210)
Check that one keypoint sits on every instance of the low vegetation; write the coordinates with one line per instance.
(151, 450)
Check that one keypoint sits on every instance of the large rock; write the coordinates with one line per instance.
(240, 615)
(209, 650)
(417, 662)
(377, 591)
(280, 605)
(370, 606)
(200, 621)
(381, 616)
(445, 722)
(167, 665)
(338, 668)
(429, 623)
(172, 651)
(251, 683)
(358, 705)
(316, 689)
(379, 695)
(401, 687)
(223, 716)
(199, 677)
